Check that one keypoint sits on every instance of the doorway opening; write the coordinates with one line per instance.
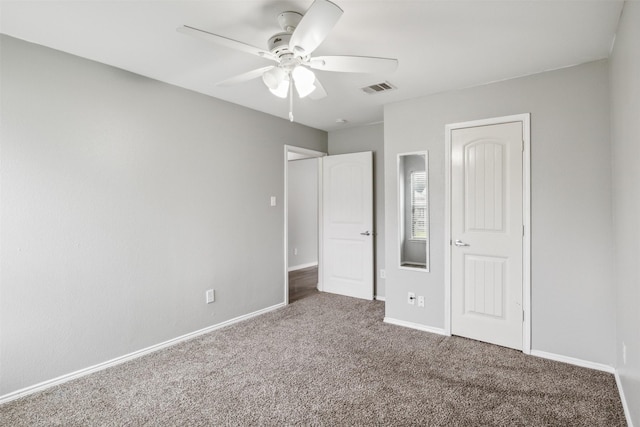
(302, 225)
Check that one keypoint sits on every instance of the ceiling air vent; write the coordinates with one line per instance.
(378, 87)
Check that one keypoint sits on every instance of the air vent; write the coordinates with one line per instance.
(378, 87)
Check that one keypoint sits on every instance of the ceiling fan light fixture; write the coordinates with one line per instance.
(304, 90)
(303, 75)
(304, 80)
(282, 90)
(274, 77)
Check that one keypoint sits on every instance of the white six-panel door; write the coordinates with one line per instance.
(347, 243)
(487, 233)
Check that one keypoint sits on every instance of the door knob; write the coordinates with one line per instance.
(366, 233)
(461, 243)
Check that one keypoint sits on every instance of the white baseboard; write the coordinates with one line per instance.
(127, 357)
(574, 361)
(380, 298)
(301, 266)
(625, 406)
(417, 326)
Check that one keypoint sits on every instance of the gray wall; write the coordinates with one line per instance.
(625, 125)
(573, 297)
(303, 212)
(123, 200)
(359, 139)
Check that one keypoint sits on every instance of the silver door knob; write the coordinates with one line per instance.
(461, 243)
(366, 233)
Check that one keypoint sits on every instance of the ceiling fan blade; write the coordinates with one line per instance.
(319, 93)
(244, 77)
(224, 41)
(353, 64)
(314, 27)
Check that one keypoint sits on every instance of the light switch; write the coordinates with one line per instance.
(210, 296)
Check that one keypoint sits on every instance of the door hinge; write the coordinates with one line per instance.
(523, 231)
(523, 145)
(522, 316)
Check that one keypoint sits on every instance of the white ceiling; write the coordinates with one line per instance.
(440, 45)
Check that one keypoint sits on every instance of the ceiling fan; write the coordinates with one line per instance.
(291, 50)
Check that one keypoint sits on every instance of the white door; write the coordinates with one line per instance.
(347, 221)
(487, 233)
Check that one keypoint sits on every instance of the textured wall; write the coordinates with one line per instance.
(123, 200)
(573, 296)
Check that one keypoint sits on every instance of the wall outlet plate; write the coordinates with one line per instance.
(411, 298)
(420, 301)
(383, 274)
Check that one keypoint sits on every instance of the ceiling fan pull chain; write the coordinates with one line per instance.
(290, 99)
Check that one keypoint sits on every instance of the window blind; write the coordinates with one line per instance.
(418, 205)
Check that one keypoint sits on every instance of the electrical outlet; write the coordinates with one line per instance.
(383, 274)
(411, 298)
(210, 296)
(295, 251)
(624, 354)
(420, 301)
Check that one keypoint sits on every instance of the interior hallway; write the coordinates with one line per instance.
(302, 283)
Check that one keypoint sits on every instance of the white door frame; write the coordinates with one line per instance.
(307, 153)
(526, 210)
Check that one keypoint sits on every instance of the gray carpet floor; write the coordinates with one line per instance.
(328, 360)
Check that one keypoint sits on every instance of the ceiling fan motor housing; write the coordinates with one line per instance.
(279, 44)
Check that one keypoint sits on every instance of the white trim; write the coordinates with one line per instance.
(404, 267)
(320, 225)
(310, 154)
(380, 298)
(301, 266)
(127, 357)
(447, 231)
(417, 326)
(526, 239)
(304, 151)
(573, 361)
(526, 219)
(625, 406)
